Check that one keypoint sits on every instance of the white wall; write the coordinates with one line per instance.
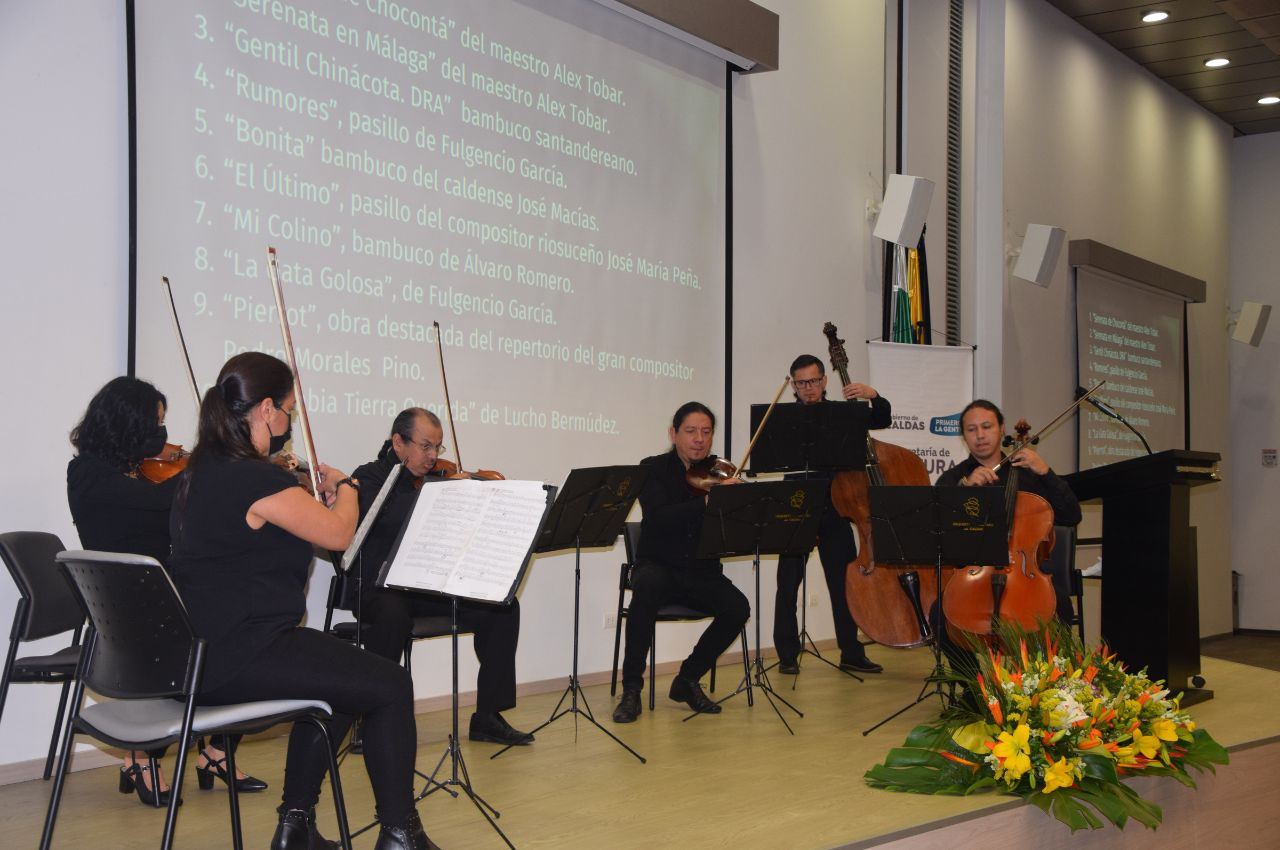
(1255, 380)
(64, 240)
(1096, 145)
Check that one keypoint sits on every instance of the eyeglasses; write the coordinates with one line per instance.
(806, 382)
(438, 448)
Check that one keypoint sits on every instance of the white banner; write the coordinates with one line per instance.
(928, 386)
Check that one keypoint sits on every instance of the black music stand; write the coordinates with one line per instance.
(950, 526)
(592, 506)
(808, 438)
(459, 777)
(765, 518)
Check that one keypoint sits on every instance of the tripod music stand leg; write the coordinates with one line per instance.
(806, 639)
(574, 690)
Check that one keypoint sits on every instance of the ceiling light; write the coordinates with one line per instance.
(1154, 17)
(1268, 100)
(1217, 62)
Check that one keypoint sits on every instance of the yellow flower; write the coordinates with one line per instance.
(1147, 745)
(1059, 774)
(1014, 751)
(1165, 729)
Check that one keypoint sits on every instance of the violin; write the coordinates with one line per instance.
(171, 461)
(887, 603)
(447, 469)
(711, 470)
(290, 462)
(978, 599)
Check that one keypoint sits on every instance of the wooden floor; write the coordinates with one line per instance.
(738, 780)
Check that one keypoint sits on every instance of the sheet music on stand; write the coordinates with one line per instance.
(362, 530)
(470, 539)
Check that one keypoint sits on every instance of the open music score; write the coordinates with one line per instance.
(468, 538)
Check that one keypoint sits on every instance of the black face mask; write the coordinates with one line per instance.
(154, 443)
(277, 443)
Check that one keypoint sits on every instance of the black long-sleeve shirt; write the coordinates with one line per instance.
(116, 513)
(1055, 491)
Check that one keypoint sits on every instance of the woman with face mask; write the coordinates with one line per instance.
(243, 533)
(115, 509)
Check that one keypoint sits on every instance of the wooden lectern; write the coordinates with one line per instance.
(1150, 595)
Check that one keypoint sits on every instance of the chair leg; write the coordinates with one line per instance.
(8, 670)
(335, 783)
(59, 779)
(233, 796)
(653, 665)
(617, 646)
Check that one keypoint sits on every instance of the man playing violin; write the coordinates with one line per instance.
(668, 570)
(836, 547)
(388, 615)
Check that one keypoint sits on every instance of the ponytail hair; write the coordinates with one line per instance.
(243, 383)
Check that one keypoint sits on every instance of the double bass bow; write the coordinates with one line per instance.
(888, 604)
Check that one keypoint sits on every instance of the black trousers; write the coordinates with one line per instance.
(654, 585)
(308, 664)
(388, 621)
(836, 549)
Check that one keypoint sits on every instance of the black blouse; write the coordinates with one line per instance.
(242, 587)
(116, 513)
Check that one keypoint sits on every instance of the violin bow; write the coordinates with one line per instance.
(182, 341)
(300, 399)
(448, 405)
(786, 382)
(1029, 440)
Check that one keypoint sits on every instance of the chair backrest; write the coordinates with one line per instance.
(631, 540)
(52, 604)
(142, 644)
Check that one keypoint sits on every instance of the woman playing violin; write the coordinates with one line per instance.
(116, 509)
(388, 615)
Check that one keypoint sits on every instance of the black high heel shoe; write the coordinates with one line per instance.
(218, 768)
(131, 780)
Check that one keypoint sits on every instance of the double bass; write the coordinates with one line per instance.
(888, 604)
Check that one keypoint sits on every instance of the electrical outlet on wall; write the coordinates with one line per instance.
(813, 601)
(610, 620)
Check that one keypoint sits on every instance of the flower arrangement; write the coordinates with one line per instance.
(1058, 724)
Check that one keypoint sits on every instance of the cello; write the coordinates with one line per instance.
(888, 604)
(979, 599)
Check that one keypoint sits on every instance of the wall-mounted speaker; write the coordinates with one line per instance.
(902, 215)
(1040, 251)
(1252, 323)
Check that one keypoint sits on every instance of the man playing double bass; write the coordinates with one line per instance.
(836, 547)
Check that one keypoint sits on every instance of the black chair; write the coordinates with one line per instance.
(1067, 583)
(47, 606)
(150, 668)
(344, 595)
(666, 614)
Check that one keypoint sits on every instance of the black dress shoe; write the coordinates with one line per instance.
(861, 665)
(494, 729)
(789, 668)
(683, 690)
(410, 836)
(629, 707)
(218, 768)
(132, 779)
(297, 831)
